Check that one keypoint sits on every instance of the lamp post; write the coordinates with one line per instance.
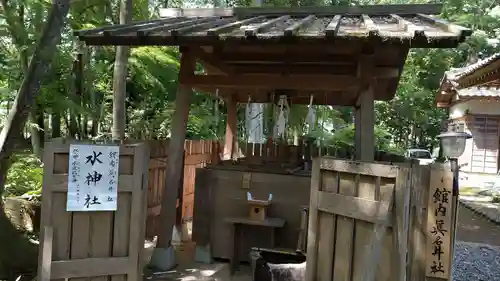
(453, 146)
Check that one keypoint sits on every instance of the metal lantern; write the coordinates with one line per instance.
(453, 143)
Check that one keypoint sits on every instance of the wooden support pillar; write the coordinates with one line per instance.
(365, 112)
(231, 140)
(174, 169)
(365, 126)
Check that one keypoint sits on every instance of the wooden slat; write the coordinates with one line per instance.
(301, 24)
(80, 238)
(93, 31)
(344, 239)
(215, 31)
(400, 229)
(89, 267)
(368, 169)
(121, 235)
(333, 27)
(201, 26)
(313, 224)
(138, 26)
(354, 207)
(368, 189)
(137, 214)
(46, 266)
(418, 222)
(370, 26)
(253, 31)
(412, 29)
(167, 28)
(101, 224)
(450, 27)
(330, 184)
(374, 252)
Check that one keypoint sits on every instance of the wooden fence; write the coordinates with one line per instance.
(92, 244)
(371, 221)
(197, 154)
(302, 151)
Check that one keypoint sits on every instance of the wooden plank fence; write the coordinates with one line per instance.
(197, 154)
(99, 245)
(371, 221)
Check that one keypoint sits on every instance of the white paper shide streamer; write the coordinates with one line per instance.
(254, 117)
(282, 117)
(311, 115)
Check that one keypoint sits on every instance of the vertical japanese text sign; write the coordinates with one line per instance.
(439, 225)
(93, 178)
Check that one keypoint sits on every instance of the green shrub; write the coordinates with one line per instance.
(24, 176)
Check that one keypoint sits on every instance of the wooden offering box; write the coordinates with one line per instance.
(258, 208)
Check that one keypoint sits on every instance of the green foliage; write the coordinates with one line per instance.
(25, 176)
(411, 119)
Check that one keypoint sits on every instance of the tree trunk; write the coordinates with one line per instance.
(120, 77)
(13, 252)
(55, 123)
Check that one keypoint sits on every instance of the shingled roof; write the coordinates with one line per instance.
(401, 24)
(480, 79)
(484, 67)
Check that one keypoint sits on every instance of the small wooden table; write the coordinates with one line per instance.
(273, 223)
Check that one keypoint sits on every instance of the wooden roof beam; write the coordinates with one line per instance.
(213, 61)
(379, 72)
(302, 24)
(417, 31)
(460, 31)
(145, 25)
(297, 57)
(333, 26)
(172, 26)
(231, 26)
(132, 25)
(291, 82)
(254, 30)
(370, 26)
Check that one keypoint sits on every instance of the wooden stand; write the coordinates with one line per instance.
(237, 223)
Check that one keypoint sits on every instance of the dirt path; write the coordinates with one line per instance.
(474, 228)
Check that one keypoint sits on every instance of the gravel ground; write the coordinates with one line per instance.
(476, 262)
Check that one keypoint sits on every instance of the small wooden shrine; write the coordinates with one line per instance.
(347, 56)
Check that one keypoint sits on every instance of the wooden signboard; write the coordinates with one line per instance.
(93, 245)
(439, 225)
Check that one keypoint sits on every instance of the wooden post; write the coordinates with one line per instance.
(231, 144)
(365, 112)
(174, 170)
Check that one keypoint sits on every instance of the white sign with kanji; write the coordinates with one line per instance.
(93, 178)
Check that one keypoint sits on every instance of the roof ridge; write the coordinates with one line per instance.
(457, 73)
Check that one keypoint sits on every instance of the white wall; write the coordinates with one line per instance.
(488, 107)
(482, 107)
